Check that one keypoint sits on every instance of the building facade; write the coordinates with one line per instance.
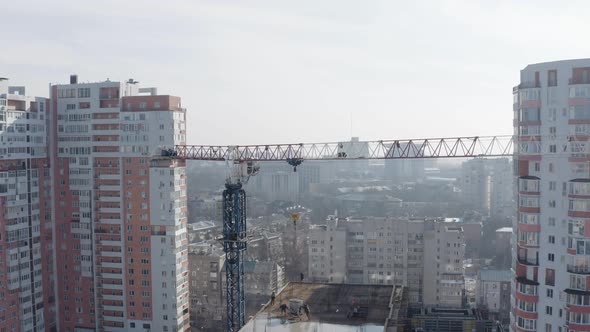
(207, 287)
(426, 256)
(551, 265)
(122, 252)
(492, 293)
(27, 298)
(487, 186)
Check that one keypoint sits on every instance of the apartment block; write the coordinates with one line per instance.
(444, 251)
(207, 286)
(120, 215)
(426, 256)
(493, 293)
(487, 186)
(551, 289)
(27, 298)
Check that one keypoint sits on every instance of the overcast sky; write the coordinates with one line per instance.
(274, 71)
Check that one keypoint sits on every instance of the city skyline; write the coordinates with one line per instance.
(380, 66)
(207, 165)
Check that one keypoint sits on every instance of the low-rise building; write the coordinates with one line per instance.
(493, 293)
(503, 244)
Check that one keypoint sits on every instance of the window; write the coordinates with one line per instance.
(551, 81)
(142, 105)
(579, 318)
(550, 277)
(530, 114)
(550, 292)
(527, 324)
(552, 114)
(157, 104)
(552, 185)
(551, 257)
(83, 92)
(552, 148)
(579, 205)
(577, 282)
(551, 239)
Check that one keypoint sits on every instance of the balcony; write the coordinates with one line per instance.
(528, 261)
(578, 269)
(579, 80)
(529, 85)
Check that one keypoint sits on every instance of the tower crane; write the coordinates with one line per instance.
(243, 160)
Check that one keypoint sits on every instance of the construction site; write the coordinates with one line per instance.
(333, 307)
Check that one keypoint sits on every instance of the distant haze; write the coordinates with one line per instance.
(300, 71)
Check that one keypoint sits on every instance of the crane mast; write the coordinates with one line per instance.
(234, 245)
(242, 163)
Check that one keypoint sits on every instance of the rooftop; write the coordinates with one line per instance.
(258, 266)
(201, 225)
(205, 249)
(504, 230)
(495, 275)
(331, 306)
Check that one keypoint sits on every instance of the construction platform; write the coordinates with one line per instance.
(341, 307)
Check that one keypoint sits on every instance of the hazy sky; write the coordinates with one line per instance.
(273, 71)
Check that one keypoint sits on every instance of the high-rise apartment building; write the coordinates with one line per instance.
(551, 288)
(27, 300)
(426, 256)
(120, 215)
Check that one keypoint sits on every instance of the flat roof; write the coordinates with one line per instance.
(495, 275)
(330, 306)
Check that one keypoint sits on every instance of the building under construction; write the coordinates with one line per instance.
(308, 306)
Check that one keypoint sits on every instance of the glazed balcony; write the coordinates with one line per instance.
(529, 261)
(579, 80)
(583, 269)
(529, 85)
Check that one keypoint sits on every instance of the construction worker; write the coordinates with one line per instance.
(283, 308)
(272, 298)
(306, 310)
(301, 276)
